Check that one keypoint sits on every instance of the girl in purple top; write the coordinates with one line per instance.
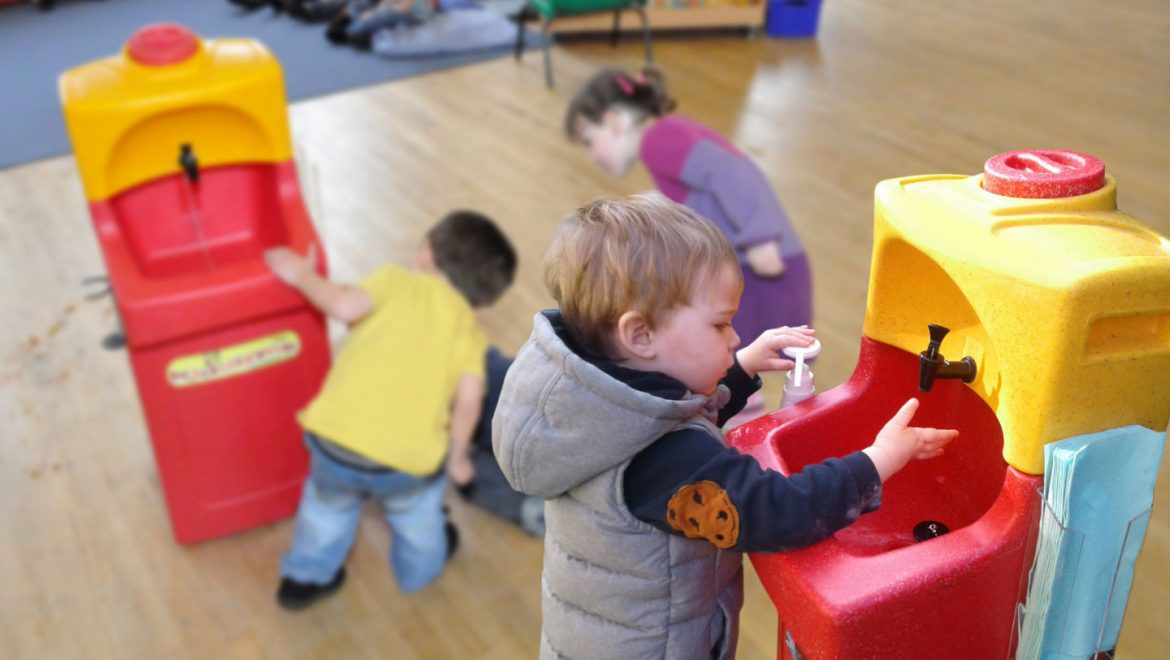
(622, 118)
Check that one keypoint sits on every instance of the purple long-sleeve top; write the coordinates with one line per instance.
(693, 165)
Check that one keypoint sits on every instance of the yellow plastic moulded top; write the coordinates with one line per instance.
(1063, 302)
(129, 114)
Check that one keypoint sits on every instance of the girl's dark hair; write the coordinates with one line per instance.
(477, 258)
(644, 92)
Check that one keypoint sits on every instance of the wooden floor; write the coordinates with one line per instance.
(888, 89)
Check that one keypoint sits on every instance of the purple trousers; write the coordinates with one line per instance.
(770, 302)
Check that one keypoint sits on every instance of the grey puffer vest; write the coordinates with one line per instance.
(613, 586)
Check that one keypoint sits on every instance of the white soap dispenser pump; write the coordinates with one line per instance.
(798, 383)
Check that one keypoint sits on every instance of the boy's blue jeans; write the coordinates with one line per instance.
(330, 509)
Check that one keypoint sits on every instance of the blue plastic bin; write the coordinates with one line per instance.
(793, 18)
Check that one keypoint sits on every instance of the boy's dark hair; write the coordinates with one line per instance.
(644, 92)
(474, 254)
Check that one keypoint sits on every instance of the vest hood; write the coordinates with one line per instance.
(561, 420)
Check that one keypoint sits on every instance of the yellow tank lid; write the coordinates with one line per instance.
(128, 114)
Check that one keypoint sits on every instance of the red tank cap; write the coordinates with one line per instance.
(1043, 174)
(161, 44)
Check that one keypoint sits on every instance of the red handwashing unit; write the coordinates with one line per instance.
(1022, 308)
(185, 157)
(937, 571)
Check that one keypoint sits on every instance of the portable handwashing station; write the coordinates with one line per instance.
(185, 157)
(1021, 308)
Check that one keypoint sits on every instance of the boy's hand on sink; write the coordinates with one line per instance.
(289, 266)
(346, 303)
(763, 354)
(898, 443)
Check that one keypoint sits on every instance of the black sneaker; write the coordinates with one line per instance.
(250, 5)
(335, 33)
(294, 595)
(452, 539)
(466, 491)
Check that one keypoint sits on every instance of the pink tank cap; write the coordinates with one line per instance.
(162, 44)
(1043, 174)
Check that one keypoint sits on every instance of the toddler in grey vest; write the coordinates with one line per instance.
(611, 412)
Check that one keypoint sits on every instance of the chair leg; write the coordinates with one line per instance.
(617, 28)
(522, 17)
(548, 73)
(519, 38)
(646, 34)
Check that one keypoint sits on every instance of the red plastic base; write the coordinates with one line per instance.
(871, 591)
(229, 451)
(224, 354)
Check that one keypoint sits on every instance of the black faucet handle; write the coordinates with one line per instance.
(189, 162)
(937, 334)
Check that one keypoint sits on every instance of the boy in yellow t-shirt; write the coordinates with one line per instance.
(397, 411)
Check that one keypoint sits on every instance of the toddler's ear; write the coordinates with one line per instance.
(633, 336)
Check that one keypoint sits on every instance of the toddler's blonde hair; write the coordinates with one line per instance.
(642, 253)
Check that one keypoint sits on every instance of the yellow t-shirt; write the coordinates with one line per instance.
(388, 395)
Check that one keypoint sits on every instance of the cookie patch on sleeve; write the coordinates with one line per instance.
(703, 511)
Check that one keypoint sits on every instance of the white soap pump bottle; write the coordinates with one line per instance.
(798, 383)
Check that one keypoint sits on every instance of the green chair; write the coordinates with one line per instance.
(549, 10)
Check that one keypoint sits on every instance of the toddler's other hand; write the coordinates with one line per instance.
(898, 443)
(763, 354)
(460, 469)
(765, 260)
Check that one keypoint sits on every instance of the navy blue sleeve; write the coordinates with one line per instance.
(691, 469)
(741, 387)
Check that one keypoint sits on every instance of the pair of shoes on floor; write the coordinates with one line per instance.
(294, 595)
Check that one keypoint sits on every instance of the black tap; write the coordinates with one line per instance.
(189, 163)
(932, 365)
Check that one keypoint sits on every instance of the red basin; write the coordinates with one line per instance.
(871, 590)
(183, 261)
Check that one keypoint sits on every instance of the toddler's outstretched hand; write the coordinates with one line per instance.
(763, 354)
(898, 443)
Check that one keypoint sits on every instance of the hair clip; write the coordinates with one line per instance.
(624, 83)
